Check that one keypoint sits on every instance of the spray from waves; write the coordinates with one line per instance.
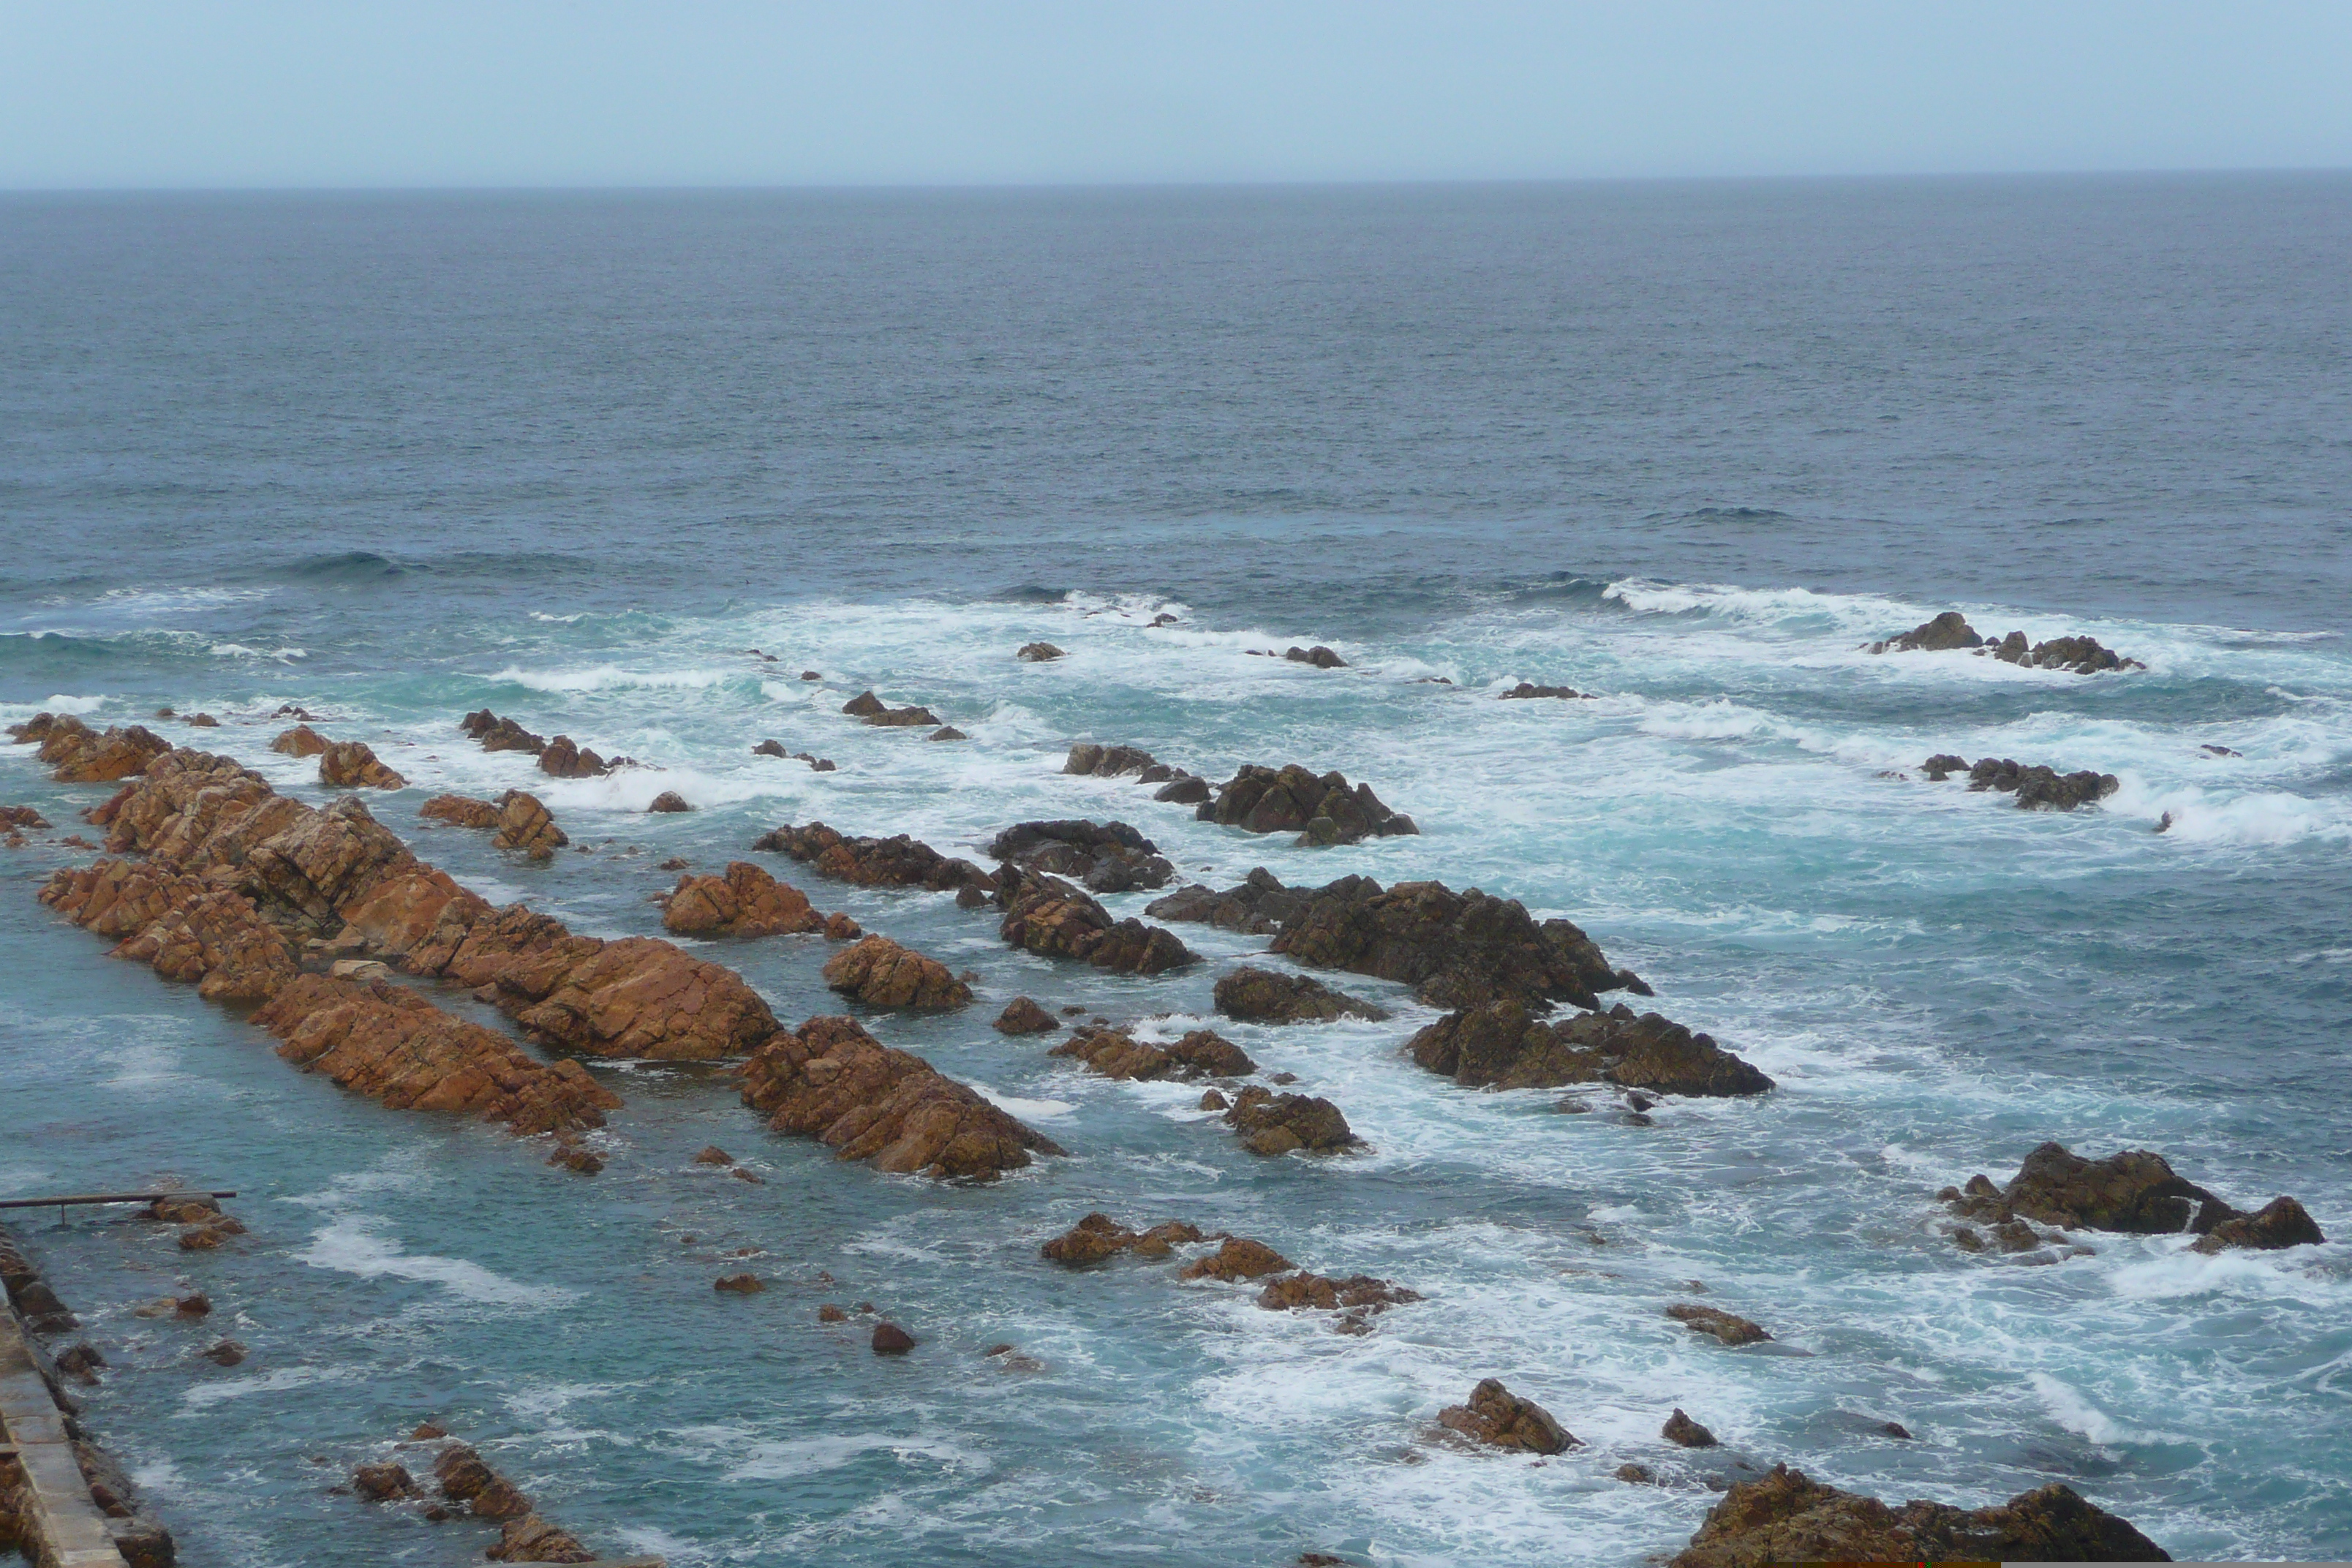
(1800, 609)
(613, 677)
(239, 650)
(62, 702)
(2074, 1411)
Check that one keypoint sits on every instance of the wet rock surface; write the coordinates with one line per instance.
(1950, 631)
(831, 1080)
(874, 710)
(1786, 1517)
(1496, 1417)
(1503, 1045)
(1106, 857)
(299, 742)
(2134, 1191)
(895, 862)
(1054, 919)
(75, 753)
(1273, 1124)
(881, 974)
(1527, 689)
(1268, 997)
(742, 901)
(1256, 906)
(1023, 1017)
(1722, 1325)
(2037, 788)
(352, 764)
(1456, 949)
(1116, 1054)
(497, 734)
(1320, 808)
(526, 825)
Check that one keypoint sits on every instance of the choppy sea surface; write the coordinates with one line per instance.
(1686, 447)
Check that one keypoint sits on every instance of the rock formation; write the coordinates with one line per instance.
(1457, 950)
(75, 753)
(460, 811)
(1946, 632)
(1724, 1326)
(1023, 1017)
(1257, 995)
(299, 742)
(831, 1080)
(525, 824)
(872, 709)
(1108, 857)
(1047, 916)
(1502, 1046)
(1318, 656)
(564, 758)
(351, 764)
(2040, 787)
(881, 974)
(1257, 907)
(744, 901)
(2135, 1192)
(1098, 1236)
(1951, 631)
(1529, 689)
(1320, 809)
(1272, 1124)
(1114, 762)
(1357, 1299)
(497, 734)
(1498, 1418)
(1786, 1517)
(1238, 1258)
(1038, 653)
(1113, 1053)
(895, 862)
(668, 801)
(1684, 1433)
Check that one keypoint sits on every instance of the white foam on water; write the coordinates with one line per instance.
(1026, 1109)
(278, 1380)
(614, 677)
(357, 1247)
(786, 1459)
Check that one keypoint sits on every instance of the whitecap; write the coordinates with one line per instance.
(354, 1247)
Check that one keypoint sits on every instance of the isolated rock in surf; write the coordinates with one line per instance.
(895, 862)
(2134, 1191)
(1456, 949)
(1107, 856)
(1322, 809)
(1502, 1046)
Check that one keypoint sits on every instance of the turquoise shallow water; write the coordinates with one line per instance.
(367, 470)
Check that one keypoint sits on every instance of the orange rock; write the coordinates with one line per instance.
(299, 742)
(460, 811)
(833, 1081)
(879, 972)
(743, 902)
(524, 823)
(351, 764)
(78, 754)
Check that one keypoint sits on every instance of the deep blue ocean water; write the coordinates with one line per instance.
(1687, 446)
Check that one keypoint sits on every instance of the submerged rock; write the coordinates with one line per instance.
(831, 1080)
(1527, 689)
(1456, 949)
(1109, 762)
(895, 862)
(1356, 1298)
(1098, 1236)
(1322, 809)
(881, 974)
(1785, 1518)
(1108, 857)
(1266, 996)
(1724, 1326)
(1498, 1418)
(1502, 1046)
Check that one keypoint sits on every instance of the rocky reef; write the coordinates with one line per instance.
(1257, 995)
(1950, 631)
(1495, 1418)
(1456, 949)
(1115, 1053)
(1503, 1045)
(1257, 907)
(1106, 857)
(881, 974)
(1050, 917)
(895, 862)
(2135, 1192)
(1787, 1518)
(1320, 808)
(745, 901)
(831, 1080)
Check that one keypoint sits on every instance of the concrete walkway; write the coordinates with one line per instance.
(63, 1529)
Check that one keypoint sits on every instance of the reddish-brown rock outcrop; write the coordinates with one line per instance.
(1724, 1326)
(1047, 916)
(186, 930)
(564, 758)
(1107, 856)
(497, 734)
(1502, 1046)
(881, 974)
(831, 1080)
(460, 811)
(465, 1478)
(1113, 1053)
(1097, 1236)
(13, 817)
(76, 754)
(1357, 1299)
(2134, 1191)
(391, 1044)
(1457, 950)
(299, 742)
(1236, 1259)
(526, 825)
(874, 710)
(1023, 1017)
(1324, 809)
(895, 862)
(1498, 1418)
(1786, 1517)
(352, 764)
(743, 901)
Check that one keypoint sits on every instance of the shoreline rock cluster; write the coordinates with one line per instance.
(560, 758)
(1107, 858)
(1322, 808)
(1950, 631)
(898, 861)
(1502, 1046)
(1785, 1517)
(1354, 1301)
(519, 820)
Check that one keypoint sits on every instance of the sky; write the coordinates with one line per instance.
(361, 94)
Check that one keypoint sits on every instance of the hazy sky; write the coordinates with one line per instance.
(534, 92)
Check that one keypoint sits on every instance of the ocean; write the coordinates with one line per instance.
(1685, 446)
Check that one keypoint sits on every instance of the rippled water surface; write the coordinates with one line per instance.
(1686, 447)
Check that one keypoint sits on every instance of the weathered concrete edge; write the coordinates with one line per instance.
(63, 1528)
